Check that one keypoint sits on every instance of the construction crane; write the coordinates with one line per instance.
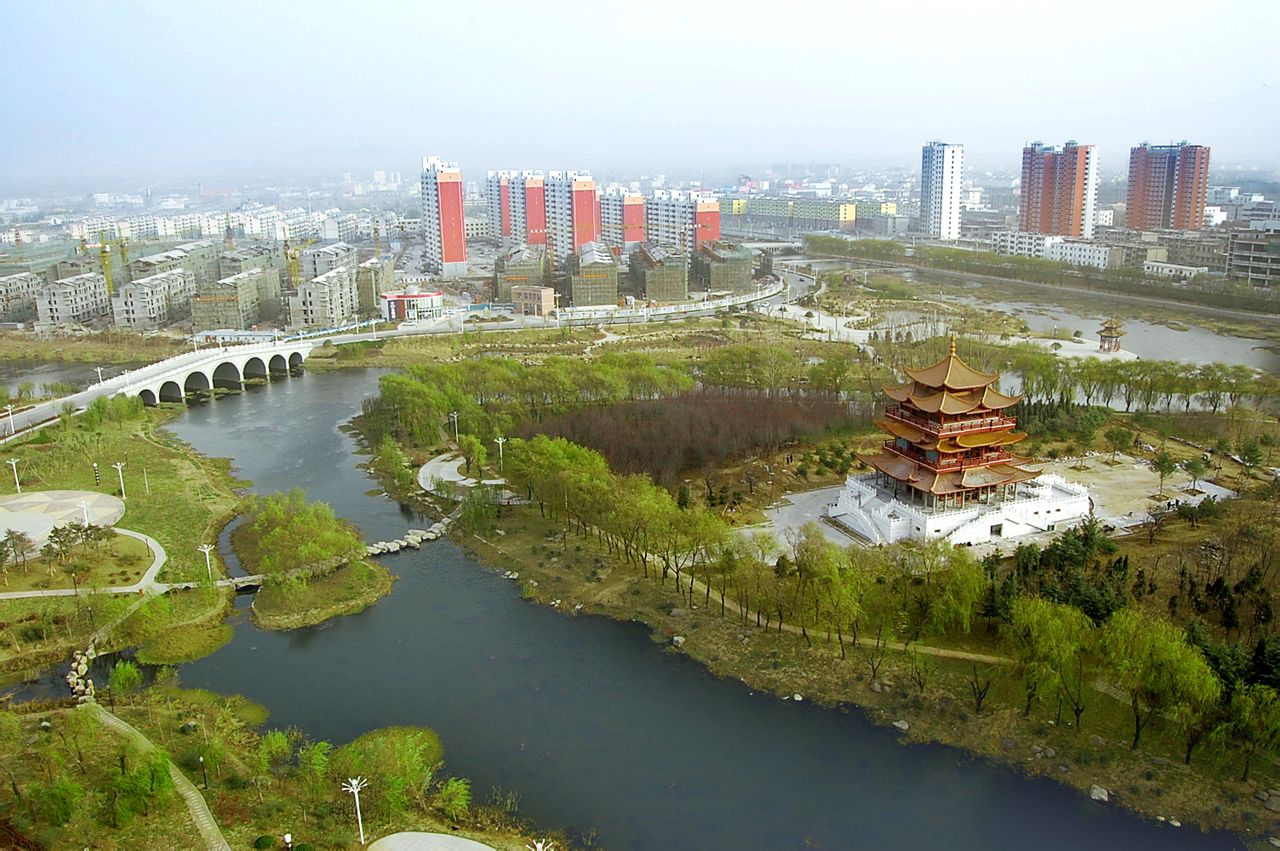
(292, 262)
(104, 257)
(230, 240)
(377, 239)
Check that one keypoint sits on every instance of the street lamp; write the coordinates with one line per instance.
(9, 408)
(453, 415)
(119, 465)
(208, 566)
(288, 840)
(84, 506)
(499, 440)
(204, 772)
(13, 462)
(99, 369)
(354, 785)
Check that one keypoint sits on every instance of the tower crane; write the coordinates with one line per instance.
(292, 263)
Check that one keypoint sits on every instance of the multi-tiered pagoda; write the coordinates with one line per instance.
(949, 438)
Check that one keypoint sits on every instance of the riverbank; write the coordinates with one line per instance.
(350, 589)
(931, 694)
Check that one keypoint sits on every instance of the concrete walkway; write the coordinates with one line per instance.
(448, 468)
(416, 841)
(204, 821)
(143, 585)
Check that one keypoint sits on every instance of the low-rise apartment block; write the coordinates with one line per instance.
(18, 296)
(1177, 271)
(324, 302)
(658, 274)
(230, 303)
(373, 278)
(319, 259)
(1253, 255)
(534, 301)
(723, 267)
(520, 266)
(593, 276)
(153, 302)
(78, 300)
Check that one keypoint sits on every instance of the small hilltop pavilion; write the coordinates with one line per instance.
(1109, 336)
(947, 470)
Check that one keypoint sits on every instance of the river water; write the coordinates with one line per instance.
(596, 727)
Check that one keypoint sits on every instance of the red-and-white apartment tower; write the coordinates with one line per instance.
(622, 219)
(517, 207)
(1059, 190)
(1168, 186)
(682, 220)
(443, 222)
(573, 213)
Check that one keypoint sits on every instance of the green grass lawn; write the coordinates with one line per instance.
(120, 561)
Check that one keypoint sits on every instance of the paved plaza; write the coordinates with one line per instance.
(38, 512)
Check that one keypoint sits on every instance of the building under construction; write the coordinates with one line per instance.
(521, 266)
(593, 276)
(659, 274)
(723, 267)
(230, 303)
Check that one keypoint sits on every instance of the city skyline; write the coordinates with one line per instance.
(222, 111)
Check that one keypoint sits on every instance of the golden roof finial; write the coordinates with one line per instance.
(953, 345)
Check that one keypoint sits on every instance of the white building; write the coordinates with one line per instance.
(153, 302)
(941, 184)
(411, 305)
(573, 213)
(622, 219)
(1022, 243)
(682, 221)
(18, 295)
(1045, 504)
(326, 301)
(1173, 270)
(77, 300)
(443, 228)
(1080, 253)
(319, 259)
(1104, 217)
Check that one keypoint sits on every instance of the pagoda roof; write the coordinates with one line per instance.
(941, 484)
(951, 373)
(930, 400)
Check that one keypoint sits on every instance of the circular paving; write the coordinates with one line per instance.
(38, 512)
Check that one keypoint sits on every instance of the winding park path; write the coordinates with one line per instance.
(200, 814)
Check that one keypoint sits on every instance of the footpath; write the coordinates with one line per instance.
(204, 821)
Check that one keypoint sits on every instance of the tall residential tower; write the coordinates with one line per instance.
(1059, 190)
(941, 179)
(443, 228)
(1168, 185)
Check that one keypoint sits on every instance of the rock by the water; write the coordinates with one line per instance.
(1274, 841)
(1159, 761)
(1036, 749)
(1272, 803)
(45, 725)
(1008, 743)
(1050, 753)
(1096, 741)
(797, 697)
(1099, 794)
(1175, 823)
(677, 640)
(678, 612)
(902, 726)
(1261, 795)
(875, 686)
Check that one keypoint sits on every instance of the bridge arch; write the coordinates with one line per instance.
(197, 382)
(148, 397)
(295, 361)
(254, 367)
(279, 366)
(170, 391)
(227, 375)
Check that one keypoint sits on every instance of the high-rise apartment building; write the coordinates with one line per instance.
(941, 181)
(1059, 190)
(572, 213)
(443, 225)
(682, 221)
(1168, 185)
(622, 219)
(498, 186)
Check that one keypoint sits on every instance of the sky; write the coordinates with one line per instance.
(137, 90)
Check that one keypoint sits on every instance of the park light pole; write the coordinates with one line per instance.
(499, 440)
(453, 415)
(204, 772)
(13, 462)
(84, 506)
(288, 841)
(208, 566)
(9, 408)
(119, 465)
(354, 785)
(99, 369)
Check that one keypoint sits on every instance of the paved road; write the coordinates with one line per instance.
(204, 821)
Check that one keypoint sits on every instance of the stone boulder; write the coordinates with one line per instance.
(901, 726)
(1099, 794)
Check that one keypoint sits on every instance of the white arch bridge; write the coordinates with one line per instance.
(176, 378)
(199, 372)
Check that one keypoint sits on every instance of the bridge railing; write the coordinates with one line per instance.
(147, 375)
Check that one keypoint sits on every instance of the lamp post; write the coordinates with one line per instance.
(288, 840)
(99, 369)
(84, 506)
(204, 772)
(119, 465)
(499, 440)
(208, 566)
(453, 415)
(9, 408)
(13, 462)
(354, 785)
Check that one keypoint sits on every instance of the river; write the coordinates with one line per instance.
(592, 723)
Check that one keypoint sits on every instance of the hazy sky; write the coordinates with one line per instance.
(136, 89)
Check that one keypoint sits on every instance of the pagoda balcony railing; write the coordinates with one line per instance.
(897, 412)
(946, 465)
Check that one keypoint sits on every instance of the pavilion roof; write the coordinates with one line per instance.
(949, 482)
(951, 373)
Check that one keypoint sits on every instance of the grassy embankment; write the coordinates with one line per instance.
(99, 348)
(75, 794)
(174, 495)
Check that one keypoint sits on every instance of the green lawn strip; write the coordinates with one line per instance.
(121, 561)
(350, 589)
(186, 645)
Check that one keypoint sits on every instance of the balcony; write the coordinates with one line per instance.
(902, 414)
(945, 464)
